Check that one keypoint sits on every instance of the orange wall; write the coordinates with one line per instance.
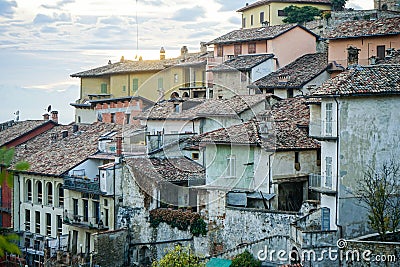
(337, 50)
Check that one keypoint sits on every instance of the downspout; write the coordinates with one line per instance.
(19, 206)
(337, 174)
(269, 179)
(115, 210)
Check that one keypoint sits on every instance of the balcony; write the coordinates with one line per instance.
(232, 183)
(323, 130)
(157, 141)
(87, 223)
(321, 184)
(84, 185)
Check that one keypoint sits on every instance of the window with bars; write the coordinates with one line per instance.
(49, 189)
(27, 220)
(59, 225)
(48, 224)
(104, 88)
(37, 222)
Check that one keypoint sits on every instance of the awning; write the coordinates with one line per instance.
(216, 262)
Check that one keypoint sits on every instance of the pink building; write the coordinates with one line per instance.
(363, 42)
(286, 42)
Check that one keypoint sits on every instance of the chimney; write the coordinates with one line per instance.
(184, 50)
(122, 59)
(54, 116)
(283, 78)
(64, 134)
(75, 128)
(203, 47)
(119, 146)
(109, 62)
(162, 53)
(46, 117)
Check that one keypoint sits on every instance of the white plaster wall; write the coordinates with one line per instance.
(90, 166)
(329, 201)
(283, 163)
(262, 70)
(86, 115)
(172, 126)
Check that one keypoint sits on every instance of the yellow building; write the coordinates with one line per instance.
(270, 12)
(151, 79)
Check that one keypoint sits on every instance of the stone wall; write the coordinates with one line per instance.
(110, 248)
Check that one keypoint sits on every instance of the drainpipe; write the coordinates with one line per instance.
(269, 178)
(337, 174)
(19, 206)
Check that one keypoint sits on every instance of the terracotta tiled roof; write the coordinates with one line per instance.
(255, 34)
(363, 28)
(166, 169)
(375, 79)
(200, 108)
(263, 2)
(129, 66)
(243, 62)
(290, 119)
(51, 154)
(20, 128)
(297, 73)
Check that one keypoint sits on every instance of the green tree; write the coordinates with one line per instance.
(295, 14)
(338, 5)
(179, 257)
(379, 192)
(8, 239)
(245, 259)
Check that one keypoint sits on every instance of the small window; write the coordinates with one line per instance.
(105, 202)
(27, 220)
(232, 166)
(282, 13)
(135, 85)
(176, 108)
(195, 156)
(176, 78)
(60, 196)
(112, 117)
(380, 51)
(251, 20)
(106, 217)
(75, 206)
(160, 83)
(39, 191)
(261, 17)
(85, 210)
(244, 23)
(328, 118)
(127, 118)
(48, 224)
(319, 157)
(297, 161)
(252, 48)
(104, 88)
(49, 189)
(328, 172)
(220, 51)
(29, 190)
(37, 222)
(289, 93)
(59, 225)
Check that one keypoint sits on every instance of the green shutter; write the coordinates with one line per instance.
(123, 88)
(135, 85)
(104, 88)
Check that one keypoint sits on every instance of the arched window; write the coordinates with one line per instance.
(60, 191)
(185, 94)
(28, 190)
(39, 191)
(174, 95)
(49, 192)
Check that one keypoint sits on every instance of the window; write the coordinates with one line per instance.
(96, 211)
(87, 248)
(195, 156)
(380, 51)
(261, 17)
(112, 117)
(252, 48)
(59, 225)
(127, 118)
(29, 190)
(238, 49)
(289, 93)
(232, 166)
(105, 202)
(27, 220)
(244, 23)
(37, 222)
(319, 157)
(176, 108)
(251, 20)
(160, 83)
(297, 161)
(328, 172)
(104, 88)
(48, 224)
(85, 210)
(49, 189)
(75, 206)
(39, 191)
(124, 88)
(106, 217)
(220, 51)
(60, 196)
(281, 13)
(135, 85)
(203, 79)
(328, 118)
(176, 78)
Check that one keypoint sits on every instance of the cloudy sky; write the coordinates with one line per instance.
(44, 41)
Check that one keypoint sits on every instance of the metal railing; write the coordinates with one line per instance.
(81, 221)
(82, 184)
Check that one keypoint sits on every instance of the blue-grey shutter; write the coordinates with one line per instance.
(325, 219)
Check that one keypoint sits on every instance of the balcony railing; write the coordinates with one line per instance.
(82, 185)
(232, 183)
(320, 183)
(87, 223)
(323, 129)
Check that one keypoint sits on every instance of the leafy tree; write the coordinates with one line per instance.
(297, 14)
(179, 257)
(7, 239)
(245, 259)
(338, 5)
(379, 192)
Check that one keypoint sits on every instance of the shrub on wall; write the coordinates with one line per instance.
(245, 259)
(179, 219)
